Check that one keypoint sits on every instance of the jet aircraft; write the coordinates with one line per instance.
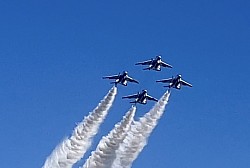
(121, 78)
(140, 97)
(154, 64)
(175, 82)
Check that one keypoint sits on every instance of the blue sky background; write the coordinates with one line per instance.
(53, 55)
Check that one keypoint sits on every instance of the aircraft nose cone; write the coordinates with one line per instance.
(158, 57)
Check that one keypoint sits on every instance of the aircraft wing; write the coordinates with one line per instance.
(152, 98)
(130, 96)
(131, 80)
(148, 62)
(164, 64)
(165, 80)
(185, 83)
(111, 77)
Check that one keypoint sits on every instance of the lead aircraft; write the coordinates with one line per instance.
(154, 64)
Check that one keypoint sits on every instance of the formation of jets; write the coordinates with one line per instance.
(153, 64)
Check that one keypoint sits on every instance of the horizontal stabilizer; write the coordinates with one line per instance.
(146, 69)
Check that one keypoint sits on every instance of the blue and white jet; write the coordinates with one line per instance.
(140, 97)
(175, 82)
(154, 64)
(121, 78)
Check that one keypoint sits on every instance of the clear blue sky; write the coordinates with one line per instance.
(53, 55)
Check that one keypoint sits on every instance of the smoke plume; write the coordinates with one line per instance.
(105, 152)
(138, 134)
(72, 149)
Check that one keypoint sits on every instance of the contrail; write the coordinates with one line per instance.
(72, 149)
(138, 134)
(105, 152)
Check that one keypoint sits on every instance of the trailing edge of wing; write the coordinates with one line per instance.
(151, 98)
(165, 80)
(144, 62)
(130, 96)
(132, 80)
(186, 83)
(111, 77)
(164, 64)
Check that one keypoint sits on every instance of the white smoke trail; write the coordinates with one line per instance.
(105, 152)
(72, 149)
(138, 134)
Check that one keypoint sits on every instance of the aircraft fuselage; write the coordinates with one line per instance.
(176, 83)
(156, 65)
(122, 80)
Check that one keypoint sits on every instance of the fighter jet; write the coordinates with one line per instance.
(154, 64)
(140, 97)
(121, 78)
(175, 82)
